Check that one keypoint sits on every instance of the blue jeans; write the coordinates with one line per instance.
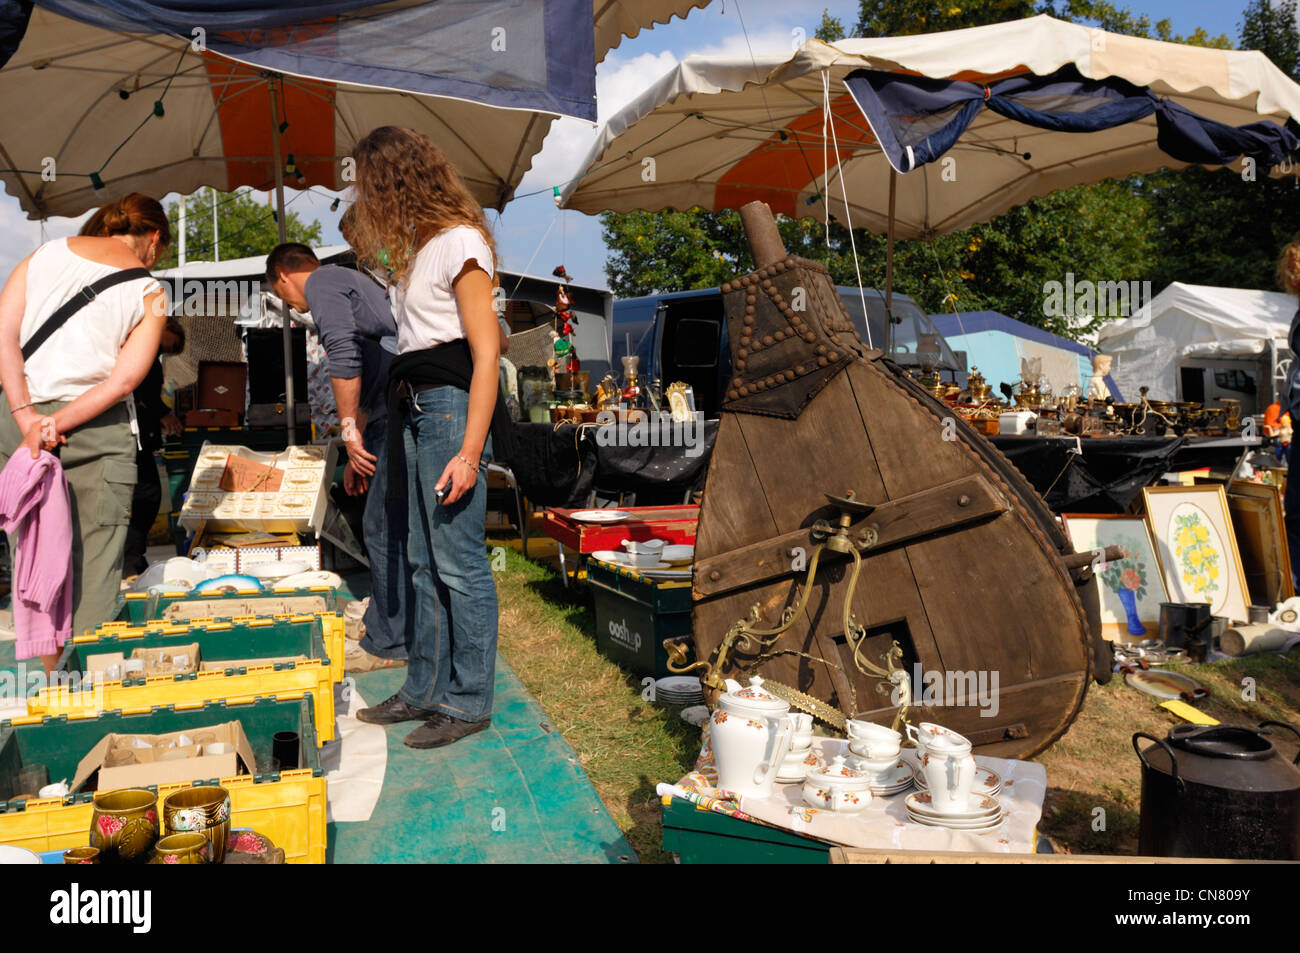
(452, 662)
(389, 619)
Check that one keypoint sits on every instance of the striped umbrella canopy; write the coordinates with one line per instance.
(720, 132)
(103, 99)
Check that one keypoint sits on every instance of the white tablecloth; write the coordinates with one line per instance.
(884, 823)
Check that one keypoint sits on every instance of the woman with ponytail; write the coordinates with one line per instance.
(414, 218)
(69, 394)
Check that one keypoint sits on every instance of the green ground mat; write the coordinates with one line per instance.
(514, 793)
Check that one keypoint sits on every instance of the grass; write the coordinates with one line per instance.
(627, 745)
(1094, 765)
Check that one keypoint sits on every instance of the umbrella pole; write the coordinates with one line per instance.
(889, 268)
(290, 410)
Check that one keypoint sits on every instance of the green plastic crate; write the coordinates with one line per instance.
(705, 837)
(635, 614)
(138, 608)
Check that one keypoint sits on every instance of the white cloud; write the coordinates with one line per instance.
(23, 236)
(620, 79)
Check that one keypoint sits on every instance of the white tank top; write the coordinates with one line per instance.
(83, 352)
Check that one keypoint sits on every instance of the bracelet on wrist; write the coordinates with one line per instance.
(472, 466)
(30, 403)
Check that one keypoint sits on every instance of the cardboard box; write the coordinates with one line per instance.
(97, 666)
(147, 767)
(249, 476)
(173, 660)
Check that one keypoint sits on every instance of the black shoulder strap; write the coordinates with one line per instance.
(76, 303)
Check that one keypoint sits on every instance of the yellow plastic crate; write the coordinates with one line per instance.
(244, 684)
(288, 808)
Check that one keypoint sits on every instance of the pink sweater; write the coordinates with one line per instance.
(35, 511)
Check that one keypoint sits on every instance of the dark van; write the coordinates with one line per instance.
(683, 337)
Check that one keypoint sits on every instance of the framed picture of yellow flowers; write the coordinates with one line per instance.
(1197, 548)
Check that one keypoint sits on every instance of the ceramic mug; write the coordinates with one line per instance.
(81, 855)
(204, 809)
(124, 823)
(190, 847)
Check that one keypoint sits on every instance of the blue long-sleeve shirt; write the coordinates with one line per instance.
(353, 317)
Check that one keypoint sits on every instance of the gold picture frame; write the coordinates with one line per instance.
(1145, 587)
(1197, 547)
(1260, 523)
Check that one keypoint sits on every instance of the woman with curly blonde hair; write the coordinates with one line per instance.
(414, 218)
(1288, 277)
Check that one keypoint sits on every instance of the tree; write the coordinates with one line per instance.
(1225, 227)
(906, 17)
(245, 227)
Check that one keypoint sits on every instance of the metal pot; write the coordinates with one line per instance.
(1184, 622)
(1219, 791)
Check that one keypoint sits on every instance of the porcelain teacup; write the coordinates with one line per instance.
(874, 768)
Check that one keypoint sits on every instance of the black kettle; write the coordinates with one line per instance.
(1219, 791)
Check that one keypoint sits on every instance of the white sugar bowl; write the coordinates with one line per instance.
(837, 787)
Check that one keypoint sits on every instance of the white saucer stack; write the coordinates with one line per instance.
(982, 813)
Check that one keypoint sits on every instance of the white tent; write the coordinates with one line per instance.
(1192, 321)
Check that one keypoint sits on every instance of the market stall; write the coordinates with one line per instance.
(851, 509)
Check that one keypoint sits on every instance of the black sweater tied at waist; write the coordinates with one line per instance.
(450, 364)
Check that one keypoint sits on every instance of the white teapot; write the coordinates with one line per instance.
(751, 734)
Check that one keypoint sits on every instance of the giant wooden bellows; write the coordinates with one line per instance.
(826, 446)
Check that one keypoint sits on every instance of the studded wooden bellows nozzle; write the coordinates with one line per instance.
(791, 336)
(961, 563)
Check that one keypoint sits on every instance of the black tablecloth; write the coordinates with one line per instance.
(560, 466)
(1112, 470)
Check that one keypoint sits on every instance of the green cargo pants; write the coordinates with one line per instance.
(99, 464)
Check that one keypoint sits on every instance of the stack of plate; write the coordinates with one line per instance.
(895, 781)
(987, 783)
(679, 690)
(620, 558)
(981, 813)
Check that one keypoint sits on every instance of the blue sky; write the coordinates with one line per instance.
(531, 229)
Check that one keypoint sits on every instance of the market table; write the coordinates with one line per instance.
(675, 524)
(701, 827)
(560, 464)
(1111, 471)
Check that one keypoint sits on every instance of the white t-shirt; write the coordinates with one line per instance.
(84, 351)
(424, 304)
